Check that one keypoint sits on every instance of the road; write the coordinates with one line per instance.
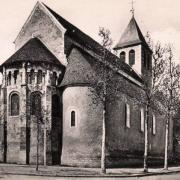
(22, 177)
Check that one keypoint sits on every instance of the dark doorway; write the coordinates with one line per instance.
(56, 131)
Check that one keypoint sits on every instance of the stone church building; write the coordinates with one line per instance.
(52, 73)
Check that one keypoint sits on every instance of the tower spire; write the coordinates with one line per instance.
(132, 9)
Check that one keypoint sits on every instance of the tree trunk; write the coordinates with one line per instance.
(146, 139)
(37, 153)
(166, 143)
(45, 144)
(103, 148)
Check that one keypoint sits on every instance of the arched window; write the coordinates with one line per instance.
(55, 106)
(54, 78)
(14, 104)
(153, 124)
(73, 118)
(39, 77)
(123, 56)
(32, 77)
(127, 115)
(60, 78)
(36, 104)
(142, 119)
(9, 78)
(16, 72)
(131, 57)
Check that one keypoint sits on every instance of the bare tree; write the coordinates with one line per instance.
(170, 91)
(152, 82)
(40, 121)
(106, 44)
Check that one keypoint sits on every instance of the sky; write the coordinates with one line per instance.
(159, 17)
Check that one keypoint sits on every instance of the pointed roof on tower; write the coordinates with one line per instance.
(131, 36)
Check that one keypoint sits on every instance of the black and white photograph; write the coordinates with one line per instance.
(90, 89)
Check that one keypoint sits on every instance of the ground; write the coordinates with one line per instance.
(22, 177)
(25, 172)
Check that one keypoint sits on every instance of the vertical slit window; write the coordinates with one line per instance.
(32, 77)
(16, 72)
(9, 78)
(39, 77)
(127, 115)
(142, 119)
(131, 57)
(73, 119)
(123, 56)
(14, 104)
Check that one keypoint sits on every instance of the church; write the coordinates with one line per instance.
(53, 71)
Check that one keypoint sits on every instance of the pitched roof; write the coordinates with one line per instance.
(33, 51)
(131, 36)
(75, 32)
(78, 71)
(90, 43)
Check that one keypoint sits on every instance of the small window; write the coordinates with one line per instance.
(32, 77)
(123, 56)
(16, 72)
(73, 119)
(131, 57)
(14, 103)
(127, 115)
(142, 119)
(153, 124)
(39, 77)
(9, 78)
(54, 79)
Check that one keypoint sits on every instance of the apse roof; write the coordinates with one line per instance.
(33, 51)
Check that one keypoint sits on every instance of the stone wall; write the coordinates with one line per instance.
(22, 128)
(41, 24)
(137, 49)
(124, 145)
(82, 142)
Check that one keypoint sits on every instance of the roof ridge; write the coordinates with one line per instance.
(66, 21)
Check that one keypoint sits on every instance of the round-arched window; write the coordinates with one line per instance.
(14, 104)
(123, 56)
(131, 57)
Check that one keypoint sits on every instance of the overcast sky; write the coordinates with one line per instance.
(160, 17)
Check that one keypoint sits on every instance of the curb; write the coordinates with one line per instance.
(96, 175)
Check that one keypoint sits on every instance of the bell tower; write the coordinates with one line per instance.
(133, 49)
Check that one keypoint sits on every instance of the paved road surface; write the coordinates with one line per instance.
(21, 177)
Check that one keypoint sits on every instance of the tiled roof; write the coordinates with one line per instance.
(83, 72)
(131, 36)
(91, 44)
(33, 51)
